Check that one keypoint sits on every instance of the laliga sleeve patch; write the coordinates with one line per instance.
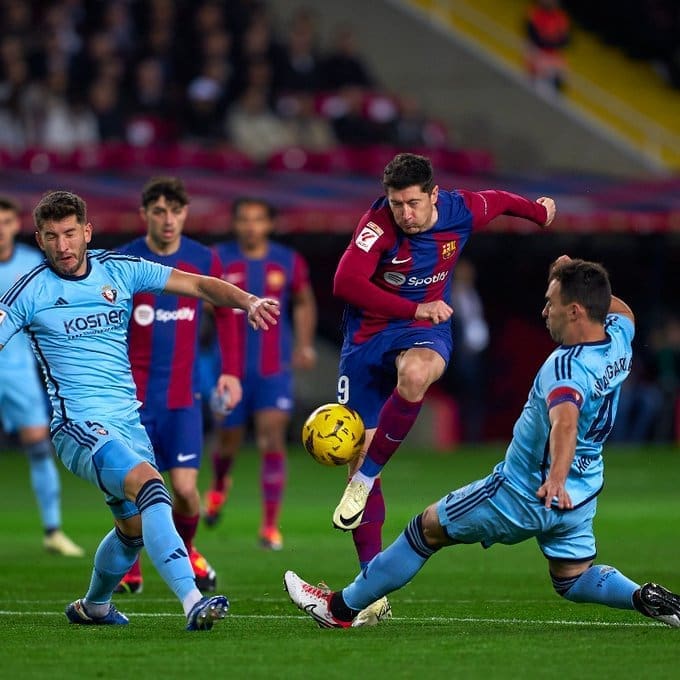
(368, 236)
(561, 394)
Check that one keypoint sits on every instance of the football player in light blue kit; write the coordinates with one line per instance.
(75, 308)
(22, 397)
(547, 486)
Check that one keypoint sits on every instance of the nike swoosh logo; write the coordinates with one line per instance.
(424, 342)
(395, 261)
(346, 521)
(184, 457)
(392, 439)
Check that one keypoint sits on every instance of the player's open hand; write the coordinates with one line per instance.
(549, 204)
(436, 312)
(263, 312)
(551, 490)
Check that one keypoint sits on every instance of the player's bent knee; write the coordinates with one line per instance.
(131, 541)
(433, 531)
(138, 477)
(564, 584)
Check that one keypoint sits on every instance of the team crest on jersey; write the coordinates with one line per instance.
(368, 236)
(276, 280)
(109, 294)
(449, 249)
(3, 316)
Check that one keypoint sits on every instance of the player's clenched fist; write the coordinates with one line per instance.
(436, 312)
(549, 205)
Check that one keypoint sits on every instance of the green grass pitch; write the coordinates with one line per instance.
(470, 613)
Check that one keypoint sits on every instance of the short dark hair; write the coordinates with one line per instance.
(6, 203)
(586, 283)
(55, 206)
(171, 187)
(251, 200)
(407, 170)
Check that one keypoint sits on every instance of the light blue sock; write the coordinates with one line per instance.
(45, 483)
(114, 557)
(390, 569)
(161, 540)
(602, 584)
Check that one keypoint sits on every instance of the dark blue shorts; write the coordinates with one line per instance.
(367, 374)
(176, 435)
(260, 393)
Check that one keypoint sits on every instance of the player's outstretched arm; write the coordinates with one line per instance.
(262, 312)
(618, 306)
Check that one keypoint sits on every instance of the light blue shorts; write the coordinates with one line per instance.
(81, 447)
(491, 511)
(22, 399)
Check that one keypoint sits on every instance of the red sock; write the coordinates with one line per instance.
(135, 570)
(395, 421)
(186, 528)
(273, 481)
(221, 468)
(368, 535)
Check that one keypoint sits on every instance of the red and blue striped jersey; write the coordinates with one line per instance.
(281, 274)
(384, 273)
(164, 330)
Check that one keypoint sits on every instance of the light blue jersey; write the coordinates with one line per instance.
(78, 330)
(17, 355)
(22, 394)
(592, 373)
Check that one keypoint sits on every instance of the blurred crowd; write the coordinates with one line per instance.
(210, 72)
(645, 29)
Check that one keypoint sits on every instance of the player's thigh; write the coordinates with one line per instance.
(569, 537)
(485, 512)
(230, 440)
(271, 428)
(104, 454)
(183, 481)
(365, 381)
(419, 367)
(22, 401)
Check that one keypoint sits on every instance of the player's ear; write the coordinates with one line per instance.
(38, 240)
(88, 232)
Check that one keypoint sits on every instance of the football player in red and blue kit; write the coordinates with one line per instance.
(163, 350)
(264, 364)
(395, 277)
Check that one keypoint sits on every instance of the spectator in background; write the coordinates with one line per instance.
(548, 31)
(343, 65)
(251, 124)
(665, 341)
(351, 124)
(299, 70)
(311, 131)
(413, 129)
(205, 105)
(150, 105)
(104, 98)
(471, 338)
(68, 121)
